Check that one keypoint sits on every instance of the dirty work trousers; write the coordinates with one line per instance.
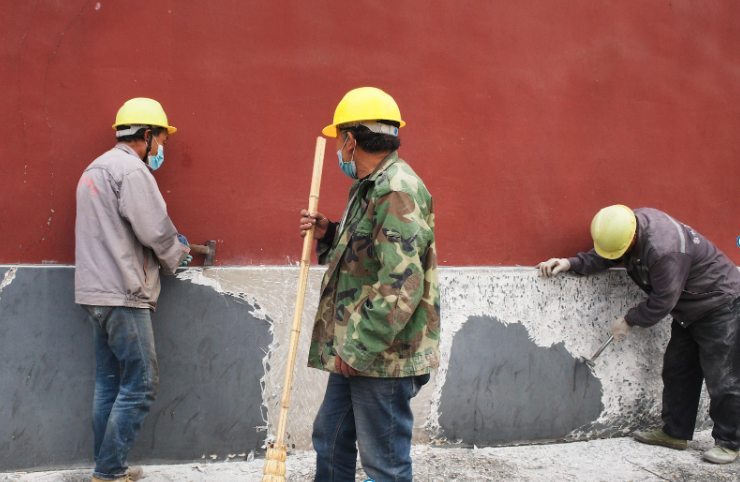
(376, 414)
(708, 349)
(126, 381)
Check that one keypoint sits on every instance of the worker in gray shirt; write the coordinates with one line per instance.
(123, 237)
(687, 277)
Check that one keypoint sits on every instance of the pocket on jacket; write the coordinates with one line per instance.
(691, 296)
(360, 257)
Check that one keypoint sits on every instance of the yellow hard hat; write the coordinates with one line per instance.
(613, 229)
(364, 104)
(142, 111)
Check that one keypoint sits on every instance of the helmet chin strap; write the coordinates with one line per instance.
(148, 147)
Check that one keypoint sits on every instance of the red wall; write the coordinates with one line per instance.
(524, 118)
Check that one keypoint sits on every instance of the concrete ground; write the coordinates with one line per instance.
(619, 459)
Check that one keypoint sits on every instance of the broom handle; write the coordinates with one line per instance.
(295, 331)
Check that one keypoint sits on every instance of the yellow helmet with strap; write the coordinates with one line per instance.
(142, 112)
(364, 104)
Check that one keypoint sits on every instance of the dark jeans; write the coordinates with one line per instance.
(126, 381)
(375, 413)
(708, 349)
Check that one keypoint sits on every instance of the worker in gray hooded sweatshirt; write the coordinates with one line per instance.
(687, 277)
(123, 237)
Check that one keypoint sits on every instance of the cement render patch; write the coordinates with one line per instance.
(503, 388)
(209, 349)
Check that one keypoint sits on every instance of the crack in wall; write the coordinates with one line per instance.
(20, 93)
(51, 131)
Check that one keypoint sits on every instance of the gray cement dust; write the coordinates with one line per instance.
(620, 459)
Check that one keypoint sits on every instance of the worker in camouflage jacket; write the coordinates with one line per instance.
(377, 326)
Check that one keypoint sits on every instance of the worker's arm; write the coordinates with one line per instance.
(400, 235)
(142, 205)
(591, 262)
(668, 277)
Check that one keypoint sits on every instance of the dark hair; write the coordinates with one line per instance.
(139, 135)
(372, 142)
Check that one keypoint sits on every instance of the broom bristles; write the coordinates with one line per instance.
(274, 469)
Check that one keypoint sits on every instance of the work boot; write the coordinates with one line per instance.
(720, 455)
(659, 437)
(135, 473)
(125, 478)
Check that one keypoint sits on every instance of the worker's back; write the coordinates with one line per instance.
(121, 226)
(713, 280)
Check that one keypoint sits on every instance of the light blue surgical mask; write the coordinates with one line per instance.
(155, 162)
(348, 168)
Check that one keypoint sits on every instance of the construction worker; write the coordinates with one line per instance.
(687, 277)
(377, 327)
(123, 237)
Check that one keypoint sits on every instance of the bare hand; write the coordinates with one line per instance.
(560, 265)
(317, 220)
(343, 368)
(620, 328)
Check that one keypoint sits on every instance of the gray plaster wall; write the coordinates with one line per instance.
(508, 371)
(209, 348)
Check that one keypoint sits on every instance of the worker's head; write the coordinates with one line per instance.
(142, 124)
(367, 119)
(614, 231)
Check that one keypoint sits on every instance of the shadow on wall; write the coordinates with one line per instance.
(517, 391)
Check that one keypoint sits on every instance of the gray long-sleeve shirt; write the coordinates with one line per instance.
(122, 233)
(682, 272)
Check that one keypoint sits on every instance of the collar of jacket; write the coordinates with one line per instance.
(636, 253)
(387, 162)
(127, 149)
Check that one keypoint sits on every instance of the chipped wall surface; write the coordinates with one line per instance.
(509, 371)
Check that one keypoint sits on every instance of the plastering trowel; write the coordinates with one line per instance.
(598, 352)
(209, 250)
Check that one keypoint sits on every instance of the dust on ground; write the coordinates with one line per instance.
(619, 459)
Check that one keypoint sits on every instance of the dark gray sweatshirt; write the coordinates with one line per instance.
(682, 272)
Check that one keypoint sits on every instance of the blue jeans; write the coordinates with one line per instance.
(126, 381)
(375, 413)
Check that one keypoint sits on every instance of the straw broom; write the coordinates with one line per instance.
(274, 469)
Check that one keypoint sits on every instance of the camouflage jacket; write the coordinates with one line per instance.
(379, 303)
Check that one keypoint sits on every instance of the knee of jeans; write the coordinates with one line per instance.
(318, 436)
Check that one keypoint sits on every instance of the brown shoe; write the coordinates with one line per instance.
(659, 437)
(135, 473)
(125, 478)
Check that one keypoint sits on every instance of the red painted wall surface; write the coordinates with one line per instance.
(524, 118)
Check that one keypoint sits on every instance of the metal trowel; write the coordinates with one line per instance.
(598, 352)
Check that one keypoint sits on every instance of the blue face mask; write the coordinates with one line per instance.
(348, 168)
(155, 162)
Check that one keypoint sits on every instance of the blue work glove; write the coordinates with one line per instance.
(183, 239)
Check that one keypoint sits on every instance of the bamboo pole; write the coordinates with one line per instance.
(274, 469)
